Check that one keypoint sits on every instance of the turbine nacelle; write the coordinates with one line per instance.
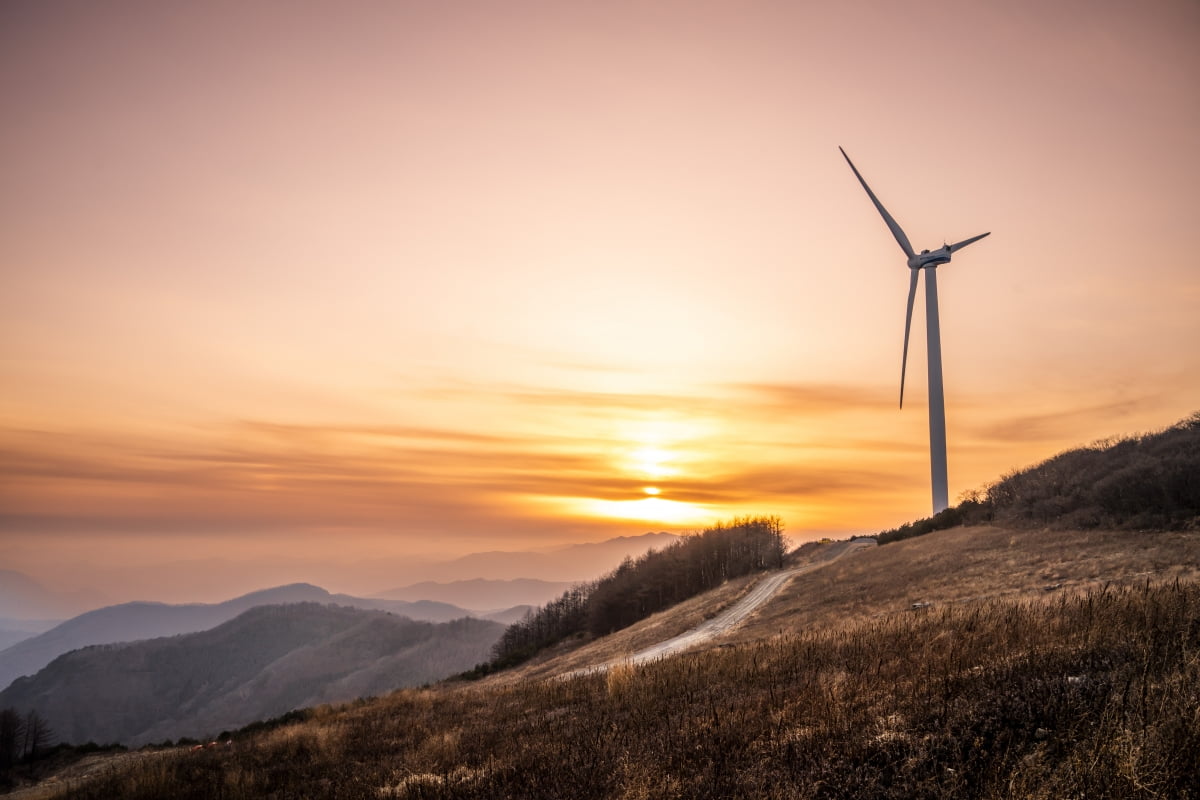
(926, 258)
(933, 258)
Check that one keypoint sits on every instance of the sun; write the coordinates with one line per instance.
(657, 510)
(649, 462)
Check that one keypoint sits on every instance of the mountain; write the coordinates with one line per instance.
(133, 621)
(482, 593)
(260, 664)
(215, 578)
(11, 636)
(425, 610)
(23, 598)
(571, 563)
(18, 630)
(509, 615)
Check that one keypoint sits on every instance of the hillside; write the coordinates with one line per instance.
(129, 622)
(13, 631)
(636, 589)
(951, 568)
(264, 662)
(1000, 688)
(1145, 482)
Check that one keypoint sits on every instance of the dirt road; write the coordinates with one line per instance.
(733, 616)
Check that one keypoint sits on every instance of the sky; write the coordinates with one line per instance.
(324, 284)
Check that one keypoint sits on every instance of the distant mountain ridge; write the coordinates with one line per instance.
(482, 593)
(18, 630)
(23, 598)
(264, 662)
(141, 620)
(569, 563)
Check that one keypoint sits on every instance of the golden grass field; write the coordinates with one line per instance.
(956, 566)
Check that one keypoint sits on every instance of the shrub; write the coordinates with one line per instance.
(1137, 483)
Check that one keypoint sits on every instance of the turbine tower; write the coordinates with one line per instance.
(928, 262)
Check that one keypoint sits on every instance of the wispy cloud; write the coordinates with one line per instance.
(815, 398)
(261, 473)
(1062, 425)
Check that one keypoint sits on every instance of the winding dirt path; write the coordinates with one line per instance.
(731, 617)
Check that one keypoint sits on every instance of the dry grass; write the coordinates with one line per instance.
(962, 565)
(664, 625)
(966, 565)
(1090, 695)
(1000, 689)
(655, 628)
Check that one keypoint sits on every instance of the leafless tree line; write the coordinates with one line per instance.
(640, 587)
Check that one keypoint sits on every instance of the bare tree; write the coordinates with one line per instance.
(37, 735)
(12, 728)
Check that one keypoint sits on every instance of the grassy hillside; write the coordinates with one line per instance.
(969, 565)
(266, 661)
(1091, 695)
(1145, 482)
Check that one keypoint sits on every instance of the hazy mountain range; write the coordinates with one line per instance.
(16, 630)
(571, 563)
(260, 664)
(147, 671)
(23, 598)
(129, 622)
(482, 593)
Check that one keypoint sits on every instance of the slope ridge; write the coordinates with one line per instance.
(148, 620)
(262, 663)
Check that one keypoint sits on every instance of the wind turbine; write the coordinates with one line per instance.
(927, 261)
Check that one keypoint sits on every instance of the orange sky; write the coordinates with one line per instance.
(336, 281)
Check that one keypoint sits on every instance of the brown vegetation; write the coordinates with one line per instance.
(636, 589)
(969, 565)
(1147, 482)
(1091, 695)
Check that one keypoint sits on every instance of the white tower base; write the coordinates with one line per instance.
(937, 402)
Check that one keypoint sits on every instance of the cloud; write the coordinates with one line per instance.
(816, 398)
(727, 446)
(1070, 425)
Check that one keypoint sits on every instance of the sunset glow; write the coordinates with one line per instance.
(376, 281)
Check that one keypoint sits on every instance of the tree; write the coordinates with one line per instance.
(654, 581)
(12, 729)
(37, 735)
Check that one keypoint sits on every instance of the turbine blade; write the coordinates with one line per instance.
(897, 231)
(912, 293)
(960, 245)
